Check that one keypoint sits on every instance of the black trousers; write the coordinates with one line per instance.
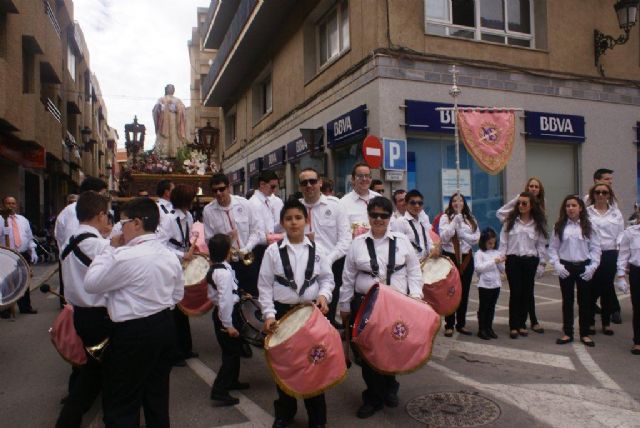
(247, 276)
(634, 284)
(24, 303)
(137, 368)
(93, 326)
(231, 350)
(487, 307)
(336, 268)
(459, 318)
(585, 304)
(521, 274)
(184, 343)
(286, 406)
(603, 288)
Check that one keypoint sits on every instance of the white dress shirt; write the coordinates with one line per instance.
(403, 225)
(522, 240)
(177, 229)
(270, 290)
(355, 206)
(238, 215)
(140, 279)
(66, 224)
(356, 276)
(165, 206)
(223, 295)
(609, 226)
(264, 210)
(74, 271)
(276, 204)
(574, 247)
(330, 227)
(629, 249)
(27, 244)
(468, 237)
(487, 269)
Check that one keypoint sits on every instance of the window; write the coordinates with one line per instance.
(262, 97)
(3, 34)
(28, 70)
(333, 33)
(71, 63)
(499, 21)
(229, 130)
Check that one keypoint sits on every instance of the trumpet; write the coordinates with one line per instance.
(246, 258)
(97, 351)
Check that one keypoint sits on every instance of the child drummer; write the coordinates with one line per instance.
(294, 271)
(223, 292)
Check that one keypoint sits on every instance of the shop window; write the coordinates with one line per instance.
(28, 70)
(508, 22)
(229, 130)
(262, 97)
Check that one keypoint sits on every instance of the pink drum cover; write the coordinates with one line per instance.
(434, 237)
(195, 301)
(444, 295)
(399, 334)
(309, 362)
(200, 243)
(65, 338)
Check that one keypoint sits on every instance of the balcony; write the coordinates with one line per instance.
(52, 17)
(242, 47)
(52, 109)
(221, 13)
(7, 6)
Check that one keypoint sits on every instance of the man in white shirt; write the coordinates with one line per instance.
(163, 192)
(354, 203)
(399, 203)
(90, 316)
(17, 232)
(266, 205)
(413, 225)
(142, 280)
(328, 226)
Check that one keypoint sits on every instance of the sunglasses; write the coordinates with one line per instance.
(601, 192)
(309, 182)
(414, 202)
(383, 216)
(218, 189)
(363, 176)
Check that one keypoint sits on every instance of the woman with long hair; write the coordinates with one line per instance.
(522, 241)
(533, 186)
(574, 251)
(459, 232)
(607, 220)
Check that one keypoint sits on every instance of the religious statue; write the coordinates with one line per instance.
(170, 123)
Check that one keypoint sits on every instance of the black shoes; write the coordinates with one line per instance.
(30, 311)
(523, 332)
(367, 410)
(391, 400)
(635, 351)
(564, 340)
(238, 386)
(464, 331)
(616, 318)
(280, 423)
(513, 334)
(484, 335)
(537, 328)
(587, 341)
(224, 399)
(448, 332)
(607, 331)
(492, 334)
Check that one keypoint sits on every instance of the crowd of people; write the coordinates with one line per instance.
(125, 280)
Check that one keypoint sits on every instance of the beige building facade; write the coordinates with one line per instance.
(53, 120)
(303, 83)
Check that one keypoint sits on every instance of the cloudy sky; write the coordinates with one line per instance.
(136, 47)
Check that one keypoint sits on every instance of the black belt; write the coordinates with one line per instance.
(579, 263)
(522, 257)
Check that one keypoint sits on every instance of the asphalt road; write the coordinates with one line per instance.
(468, 382)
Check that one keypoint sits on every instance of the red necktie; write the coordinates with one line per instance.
(17, 241)
(232, 225)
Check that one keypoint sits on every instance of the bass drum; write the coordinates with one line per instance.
(251, 323)
(15, 274)
(441, 287)
(195, 301)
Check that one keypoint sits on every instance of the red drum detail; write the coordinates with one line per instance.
(441, 285)
(65, 338)
(195, 301)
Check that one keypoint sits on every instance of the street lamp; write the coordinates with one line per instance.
(627, 13)
(207, 142)
(134, 138)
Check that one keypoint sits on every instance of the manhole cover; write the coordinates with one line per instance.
(453, 409)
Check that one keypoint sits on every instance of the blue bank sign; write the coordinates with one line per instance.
(422, 116)
(553, 126)
(273, 159)
(348, 127)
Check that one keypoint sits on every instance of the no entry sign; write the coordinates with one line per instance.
(372, 151)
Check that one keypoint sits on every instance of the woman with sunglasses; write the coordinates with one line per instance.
(574, 252)
(458, 233)
(607, 220)
(522, 242)
(533, 186)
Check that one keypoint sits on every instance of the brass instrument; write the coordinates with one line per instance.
(246, 258)
(97, 351)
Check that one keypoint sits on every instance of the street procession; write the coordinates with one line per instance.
(388, 212)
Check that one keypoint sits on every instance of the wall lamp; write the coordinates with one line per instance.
(627, 12)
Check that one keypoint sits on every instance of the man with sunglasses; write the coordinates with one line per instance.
(232, 215)
(414, 226)
(354, 203)
(266, 206)
(328, 226)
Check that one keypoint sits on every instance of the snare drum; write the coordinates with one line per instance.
(251, 322)
(195, 301)
(305, 353)
(393, 332)
(441, 285)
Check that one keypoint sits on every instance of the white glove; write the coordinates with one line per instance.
(622, 285)
(561, 270)
(34, 257)
(458, 220)
(588, 272)
(539, 271)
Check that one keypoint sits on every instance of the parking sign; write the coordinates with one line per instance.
(395, 154)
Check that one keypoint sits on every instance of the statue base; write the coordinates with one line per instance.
(135, 182)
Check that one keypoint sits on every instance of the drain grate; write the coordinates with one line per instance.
(453, 409)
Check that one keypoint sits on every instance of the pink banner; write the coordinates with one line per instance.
(488, 137)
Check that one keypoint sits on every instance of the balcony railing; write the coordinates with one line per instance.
(52, 17)
(52, 108)
(235, 28)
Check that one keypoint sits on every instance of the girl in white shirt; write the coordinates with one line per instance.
(607, 220)
(533, 186)
(459, 233)
(489, 263)
(574, 251)
(629, 259)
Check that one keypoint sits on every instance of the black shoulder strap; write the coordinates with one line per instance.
(391, 260)
(288, 280)
(166, 211)
(391, 266)
(210, 273)
(373, 258)
(73, 246)
(308, 281)
(416, 245)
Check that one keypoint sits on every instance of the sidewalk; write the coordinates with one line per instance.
(41, 274)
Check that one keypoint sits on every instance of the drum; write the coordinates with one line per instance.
(196, 300)
(251, 323)
(393, 332)
(441, 288)
(305, 353)
(65, 338)
(14, 276)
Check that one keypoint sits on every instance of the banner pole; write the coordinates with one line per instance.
(455, 92)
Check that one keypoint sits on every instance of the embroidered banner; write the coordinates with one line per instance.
(488, 137)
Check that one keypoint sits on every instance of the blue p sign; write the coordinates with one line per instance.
(395, 154)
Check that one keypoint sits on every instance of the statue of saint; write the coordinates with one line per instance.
(170, 123)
